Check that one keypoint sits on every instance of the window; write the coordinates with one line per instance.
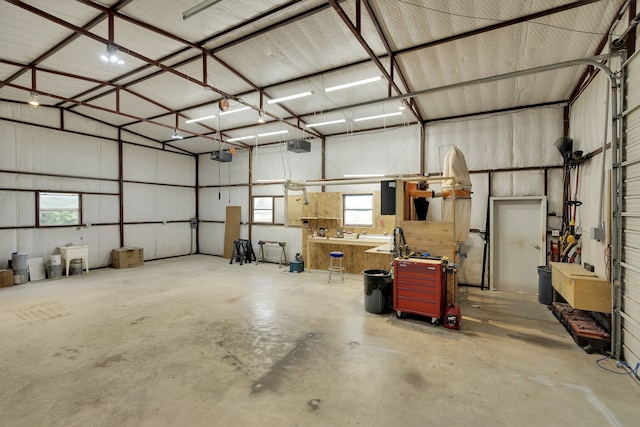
(263, 209)
(268, 209)
(358, 209)
(58, 209)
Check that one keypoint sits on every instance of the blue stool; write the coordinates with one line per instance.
(336, 264)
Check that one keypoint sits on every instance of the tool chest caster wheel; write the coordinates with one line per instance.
(400, 314)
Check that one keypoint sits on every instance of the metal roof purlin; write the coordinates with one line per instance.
(513, 74)
(204, 53)
(132, 53)
(367, 48)
(394, 64)
(497, 26)
(95, 21)
(587, 75)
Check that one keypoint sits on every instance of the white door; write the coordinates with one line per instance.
(517, 242)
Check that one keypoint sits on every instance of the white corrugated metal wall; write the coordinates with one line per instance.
(509, 150)
(629, 210)
(390, 151)
(159, 187)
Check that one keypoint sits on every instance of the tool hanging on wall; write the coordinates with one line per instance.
(569, 239)
(400, 247)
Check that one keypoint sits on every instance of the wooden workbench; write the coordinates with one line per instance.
(379, 258)
(318, 249)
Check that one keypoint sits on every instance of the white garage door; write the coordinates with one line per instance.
(628, 346)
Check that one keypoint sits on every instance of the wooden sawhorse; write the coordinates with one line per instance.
(242, 251)
(283, 255)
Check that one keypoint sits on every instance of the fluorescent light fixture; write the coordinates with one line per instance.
(331, 122)
(198, 8)
(111, 56)
(34, 99)
(278, 132)
(241, 138)
(213, 116)
(358, 83)
(379, 116)
(176, 135)
(286, 98)
(365, 175)
(235, 110)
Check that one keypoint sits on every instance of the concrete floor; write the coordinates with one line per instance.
(194, 341)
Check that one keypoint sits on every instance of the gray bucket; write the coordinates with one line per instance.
(75, 267)
(20, 262)
(20, 277)
(54, 271)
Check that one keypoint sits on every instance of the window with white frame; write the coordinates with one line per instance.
(56, 209)
(268, 209)
(358, 210)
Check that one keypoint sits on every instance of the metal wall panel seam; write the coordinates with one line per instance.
(628, 318)
(630, 267)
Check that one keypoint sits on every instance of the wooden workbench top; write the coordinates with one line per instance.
(349, 242)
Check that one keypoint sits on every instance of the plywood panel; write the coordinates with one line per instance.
(231, 229)
(433, 237)
(330, 205)
(295, 208)
(354, 260)
(377, 261)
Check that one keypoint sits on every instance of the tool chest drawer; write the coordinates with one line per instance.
(418, 287)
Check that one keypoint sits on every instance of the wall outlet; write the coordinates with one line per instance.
(555, 233)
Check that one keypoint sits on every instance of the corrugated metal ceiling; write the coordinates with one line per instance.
(251, 52)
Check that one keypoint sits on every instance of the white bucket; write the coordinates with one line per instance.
(19, 261)
(55, 260)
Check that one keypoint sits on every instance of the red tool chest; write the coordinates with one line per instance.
(418, 287)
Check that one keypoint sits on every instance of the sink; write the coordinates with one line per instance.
(72, 252)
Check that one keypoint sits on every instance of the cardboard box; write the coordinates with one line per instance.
(6, 278)
(127, 257)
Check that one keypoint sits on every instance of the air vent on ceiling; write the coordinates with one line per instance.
(221, 156)
(299, 146)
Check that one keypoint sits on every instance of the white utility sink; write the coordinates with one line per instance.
(72, 252)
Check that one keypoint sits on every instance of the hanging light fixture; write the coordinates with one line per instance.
(111, 56)
(278, 132)
(379, 116)
(241, 138)
(288, 97)
(176, 135)
(199, 119)
(235, 110)
(34, 99)
(261, 117)
(330, 122)
(352, 84)
(198, 8)
(403, 105)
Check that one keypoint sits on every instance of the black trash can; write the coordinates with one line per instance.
(545, 290)
(378, 285)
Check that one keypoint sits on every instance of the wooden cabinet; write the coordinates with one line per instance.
(418, 287)
(582, 289)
